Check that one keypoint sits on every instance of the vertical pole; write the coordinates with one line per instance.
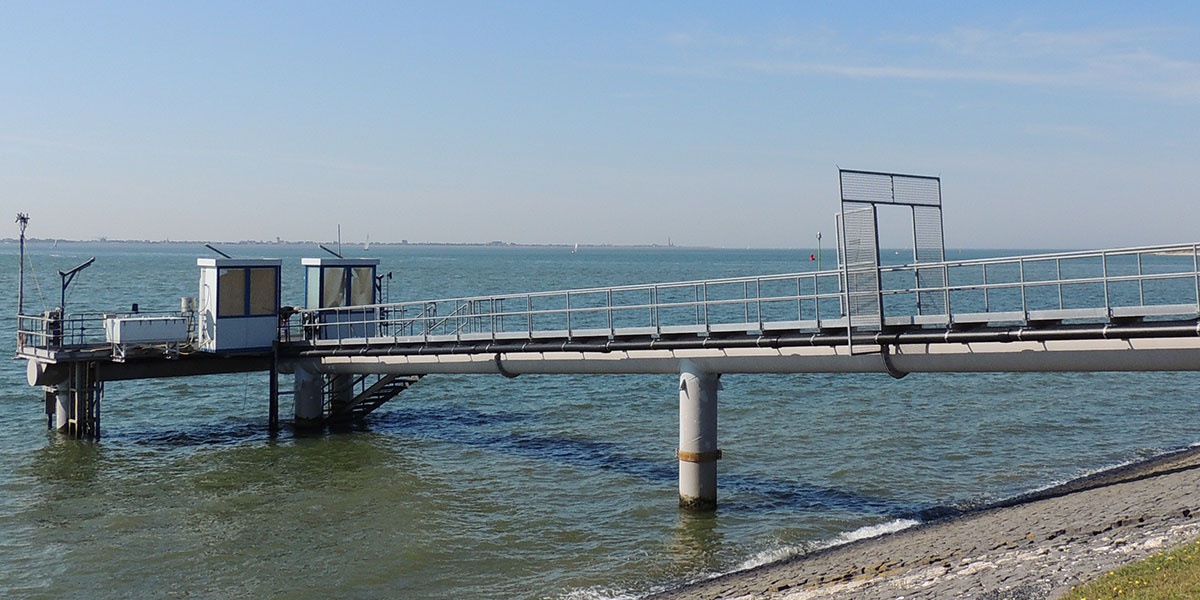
(95, 391)
(916, 256)
(878, 261)
(22, 222)
(273, 392)
(698, 451)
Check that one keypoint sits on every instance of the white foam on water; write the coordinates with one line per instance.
(870, 531)
(769, 556)
(600, 593)
(779, 553)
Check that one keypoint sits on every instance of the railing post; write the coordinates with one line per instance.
(758, 301)
(706, 308)
(1058, 276)
(816, 299)
(568, 315)
(1024, 306)
(946, 288)
(529, 314)
(649, 303)
(746, 300)
(1141, 282)
(1196, 272)
(655, 317)
(799, 302)
(986, 305)
(612, 329)
(1104, 267)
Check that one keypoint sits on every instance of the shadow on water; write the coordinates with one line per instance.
(227, 433)
(72, 459)
(476, 429)
(68, 461)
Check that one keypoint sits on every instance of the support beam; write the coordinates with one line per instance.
(273, 394)
(308, 397)
(77, 402)
(62, 406)
(698, 452)
(341, 391)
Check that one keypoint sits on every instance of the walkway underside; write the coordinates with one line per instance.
(1173, 346)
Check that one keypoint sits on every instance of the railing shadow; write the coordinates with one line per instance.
(756, 494)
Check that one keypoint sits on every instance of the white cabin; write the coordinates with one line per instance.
(341, 283)
(238, 304)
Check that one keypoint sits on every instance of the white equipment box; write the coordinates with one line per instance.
(146, 330)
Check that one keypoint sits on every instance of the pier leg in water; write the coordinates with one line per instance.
(698, 451)
(341, 392)
(308, 397)
(62, 404)
(77, 402)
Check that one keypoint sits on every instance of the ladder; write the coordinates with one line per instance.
(372, 397)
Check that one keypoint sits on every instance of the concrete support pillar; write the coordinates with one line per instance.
(273, 395)
(77, 402)
(309, 384)
(62, 406)
(698, 451)
(341, 390)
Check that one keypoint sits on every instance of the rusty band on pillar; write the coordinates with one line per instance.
(698, 457)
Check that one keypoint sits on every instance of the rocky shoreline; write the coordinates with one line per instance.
(1033, 547)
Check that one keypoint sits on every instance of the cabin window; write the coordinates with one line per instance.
(262, 291)
(243, 291)
(231, 292)
(334, 287)
(362, 286)
(312, 295)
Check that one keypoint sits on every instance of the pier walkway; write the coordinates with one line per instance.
(1127, 309)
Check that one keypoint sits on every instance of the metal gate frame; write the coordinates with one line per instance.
(862, 281)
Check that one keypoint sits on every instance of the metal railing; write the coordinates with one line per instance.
(52, 331)
(1144, 282)
(1151, 281)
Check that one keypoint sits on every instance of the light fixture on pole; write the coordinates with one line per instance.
(67, 277)
(818, 251)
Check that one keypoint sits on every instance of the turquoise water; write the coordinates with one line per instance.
(484, 487)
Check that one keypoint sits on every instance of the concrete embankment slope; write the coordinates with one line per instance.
(1034, 547)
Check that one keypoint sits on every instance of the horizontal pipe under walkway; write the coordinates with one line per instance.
(1167, 346)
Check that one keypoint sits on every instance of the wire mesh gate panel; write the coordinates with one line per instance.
(858, 227)
(860, 252)
(929, 247)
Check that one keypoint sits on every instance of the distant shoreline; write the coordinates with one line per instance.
(373, 244)
(826, 250)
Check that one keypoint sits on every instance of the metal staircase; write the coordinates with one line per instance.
(369, 398)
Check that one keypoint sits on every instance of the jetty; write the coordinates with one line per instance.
(346, 353)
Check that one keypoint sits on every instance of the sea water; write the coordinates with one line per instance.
(486, 487)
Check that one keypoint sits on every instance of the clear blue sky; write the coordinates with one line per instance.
(1064, 125)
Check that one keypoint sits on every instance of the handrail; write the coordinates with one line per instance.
(1105, 279)
(701, 307)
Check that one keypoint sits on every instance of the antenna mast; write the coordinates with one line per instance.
(22, 221)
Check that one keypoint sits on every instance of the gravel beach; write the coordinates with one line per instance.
(1032, 547)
